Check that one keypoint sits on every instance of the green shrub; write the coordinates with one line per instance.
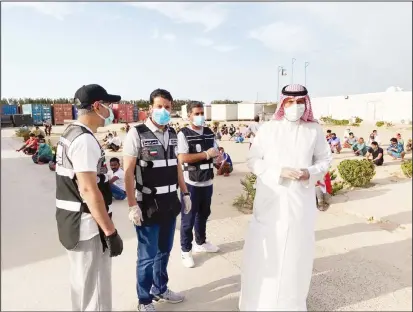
(355, 125)
(246, 200)
(358, 120)
(389, 124)
(336, 187)
(407, 168)
(357, 173)
(336, 122)
(333, 174)
(380, 123)
(215, 124)
(23, 133)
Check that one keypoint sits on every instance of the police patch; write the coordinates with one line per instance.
(145, 153)
(173, 141)
(150, 142)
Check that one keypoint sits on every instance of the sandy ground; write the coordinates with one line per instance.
(359, 265)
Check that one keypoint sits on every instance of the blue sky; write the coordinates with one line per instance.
(204, 51)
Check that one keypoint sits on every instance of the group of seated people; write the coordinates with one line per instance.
(37, 147)
(371, 150)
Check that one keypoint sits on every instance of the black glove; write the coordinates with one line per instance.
(115, 244)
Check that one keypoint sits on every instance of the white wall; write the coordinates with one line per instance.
(372, 107)
(224, 112)
(247, 111)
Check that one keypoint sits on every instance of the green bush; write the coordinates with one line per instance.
(358, 120)
(23, 133)
(407, 168)
(215, 124)
(246, 200)
(355, 125)
(336, 122)
(336, 187)
(389, 124)
(357, 173)
(380, 123)
(333, 174)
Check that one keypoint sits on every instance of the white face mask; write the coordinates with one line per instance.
(294, 112)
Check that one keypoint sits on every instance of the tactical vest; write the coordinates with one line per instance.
(157, 175)
(203, 170)
(70, 206)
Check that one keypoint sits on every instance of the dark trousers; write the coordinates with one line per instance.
(154, 246)
(197, 217)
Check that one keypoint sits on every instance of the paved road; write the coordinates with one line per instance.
(359, 265)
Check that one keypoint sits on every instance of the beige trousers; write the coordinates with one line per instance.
(90, 276)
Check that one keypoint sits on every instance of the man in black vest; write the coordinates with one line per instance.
(152, 171)
(196, 150)
(83, 199)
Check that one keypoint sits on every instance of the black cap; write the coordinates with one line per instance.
(89, 94)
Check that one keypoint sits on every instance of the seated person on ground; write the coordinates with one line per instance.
(376, 137)
(239, 138)
(351, 139)
(105, 139)
(224, 130)
(223, 163)
(44, 153)
(113, 143)
(335, 143)
(323, 193)
(30, 146)
(37, 131)
(117, 181)
(359, 148)
(409, 145)
(47, 127)
(346, 133)
(396, 150)
(399, 139)
(371, 139)
(328, 135)
(231, 130)
(127, 127)
(375, 153)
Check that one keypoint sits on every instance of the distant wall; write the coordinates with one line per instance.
(388, 106)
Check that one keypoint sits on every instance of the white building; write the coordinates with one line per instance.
(394, 105)
(224, 112)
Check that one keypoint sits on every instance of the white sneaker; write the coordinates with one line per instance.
(205, 247)
(187, 259)
(146, 307)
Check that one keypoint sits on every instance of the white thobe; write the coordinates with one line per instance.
(279, 245)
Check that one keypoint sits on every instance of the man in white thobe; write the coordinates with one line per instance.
(288, 155)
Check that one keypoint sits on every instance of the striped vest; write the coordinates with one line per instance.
(70, 206)
(157, 175)
(203, 170)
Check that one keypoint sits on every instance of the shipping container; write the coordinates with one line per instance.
(123, 112)
(224, 112)
(9, 109)
(35, 110)
(22, 120)
(247, 110)
(46, 112)
(74, 109)
(62, 112)
(6, 121)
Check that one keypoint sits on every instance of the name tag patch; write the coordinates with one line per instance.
(150, 142)
(173, 141)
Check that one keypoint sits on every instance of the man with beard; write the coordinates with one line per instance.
(279, 245)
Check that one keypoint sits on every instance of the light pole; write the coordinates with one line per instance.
(280, 70)
(292, 70)
(305, 72)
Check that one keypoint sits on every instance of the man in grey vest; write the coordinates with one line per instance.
(83, 199)
(152, 172)
(196, 150)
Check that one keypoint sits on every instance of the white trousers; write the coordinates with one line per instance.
(90, 276)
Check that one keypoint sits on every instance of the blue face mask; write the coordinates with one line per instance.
(161, 116)
(108, 120)
(199, 120)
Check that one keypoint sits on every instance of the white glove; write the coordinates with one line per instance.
(187, 203)
(212, 152)
(290, 173)
(135, 215)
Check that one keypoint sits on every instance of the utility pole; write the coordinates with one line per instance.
(292, 70)
(305, 72)
(280, 70)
